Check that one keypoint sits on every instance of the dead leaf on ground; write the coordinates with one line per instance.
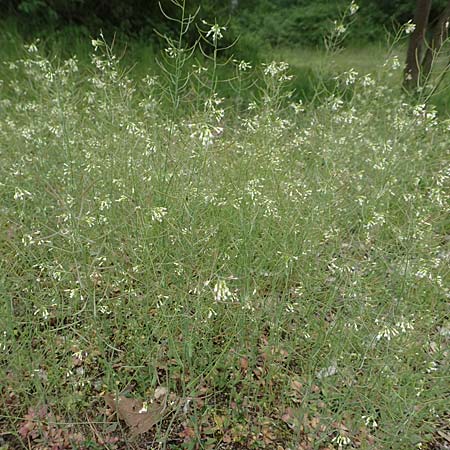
(139, 416)
(288, 417)
(243, 363)
(296, 385)
(160, 391)
(444, 435)
(187, 434)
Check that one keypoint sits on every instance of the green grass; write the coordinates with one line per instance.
(363, 59)
(312, 67)
(285, 278)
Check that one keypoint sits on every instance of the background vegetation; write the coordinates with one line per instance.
(278, 22)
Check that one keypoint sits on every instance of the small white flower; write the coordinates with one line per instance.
(21, 194)
(353, 7)
(96, 43)
(350, 77)
(222, 293)
(298, 107)
(44, 312)
(340, 28)
(79, 355)
(336, 104)
(387, 332)
(367, 81)
(409, 27)
(104, 309)
(199, 69)
(243, 66)
(216, 32)
(341, 440)
(172, 52)
(158, 213)
(32, 48)
(370, 421)
(144, 408)
(275, 68)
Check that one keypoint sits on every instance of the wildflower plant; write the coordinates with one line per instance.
(177, 55)
(432, 78)
(339, 29)
(279, 266)
(210, 39)
(275, 86)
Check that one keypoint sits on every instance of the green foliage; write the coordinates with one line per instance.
(303, 24)
(279, 22)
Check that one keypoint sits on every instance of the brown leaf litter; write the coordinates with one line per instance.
(140, 416)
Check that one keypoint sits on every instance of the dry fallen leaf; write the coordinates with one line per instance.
(138, 416)
(187, 434)
(243, 362)
(288, 416)
(268, 434)
(328, 371)
(314, 422)
(160, 391)
(296, 386)
(444, 435)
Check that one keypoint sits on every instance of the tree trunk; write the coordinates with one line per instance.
(415, 48)
(439, 35)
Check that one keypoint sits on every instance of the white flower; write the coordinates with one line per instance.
(44, 312)
(341, 440)
(158, 213)
(144, 408)
(222, 293)
(387, 332)
(206, 133)
(350, 77)
(409, 27)
(370, 421)
(32, 48)
(96, 43)
(298, 107)
(336, 103)
(21, 194)
(216, 32)
(244, 66)
(367, 81)
(393, 62)
(353, 7)
(172, 52)
(275, 68)
(340, 28)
